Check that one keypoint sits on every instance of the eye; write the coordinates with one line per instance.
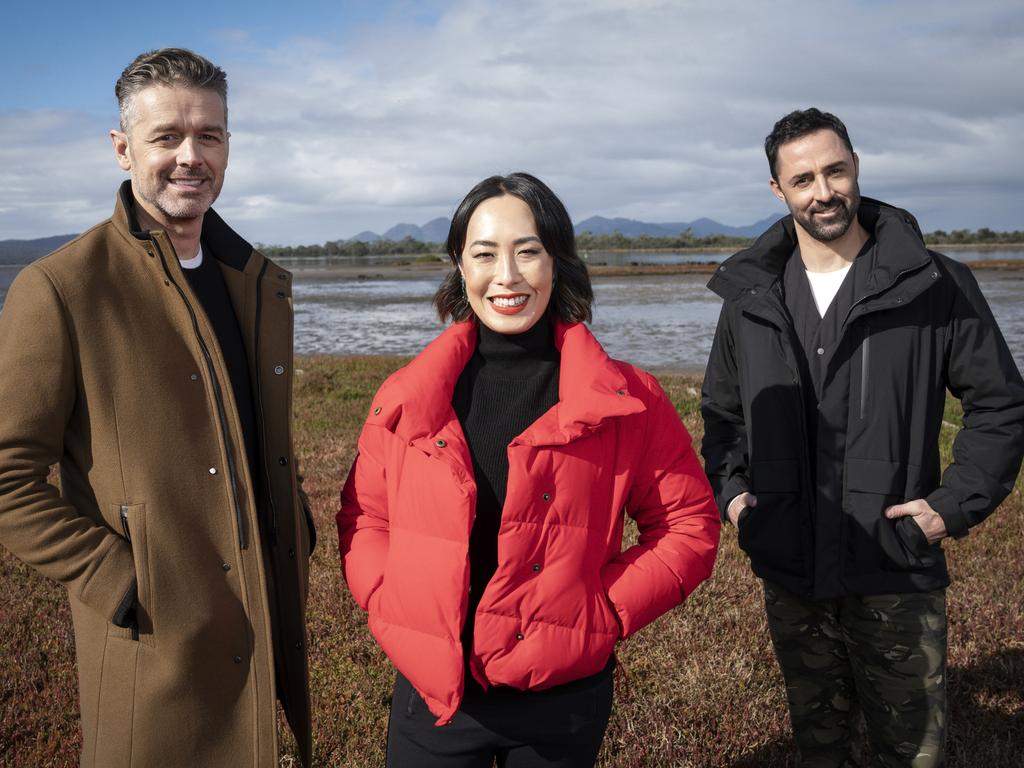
(482, 255)
(530, 252)
(209, 138)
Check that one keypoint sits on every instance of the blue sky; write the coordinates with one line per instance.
(348, 116)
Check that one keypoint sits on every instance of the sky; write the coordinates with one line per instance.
(348, 116)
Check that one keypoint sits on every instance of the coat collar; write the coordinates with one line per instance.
(416, 402)
(230, 248)
(900, 249)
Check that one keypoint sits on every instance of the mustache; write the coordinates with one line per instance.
(832, 204)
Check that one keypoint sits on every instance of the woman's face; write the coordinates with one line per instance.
(508, 272)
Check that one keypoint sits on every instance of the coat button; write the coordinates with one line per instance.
(238, 659)
(376, 411)
(278, 369)
(299, 646)
(282, 276)
(440, 443)
(899, 299)
(935, 275)
(291, 554)
(226, 566)
(722, 268)
(546, 497)
(753, 291)
(620, 391)
(536, 567)
(194, 377)
(519, 636)
(213, 470)
(281, 294)
(283, 461)
(820, 350)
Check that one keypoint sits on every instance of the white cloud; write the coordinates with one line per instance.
(650, 109)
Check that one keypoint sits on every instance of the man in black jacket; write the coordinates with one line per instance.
(823, 402)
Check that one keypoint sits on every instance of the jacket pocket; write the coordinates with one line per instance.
(132, 520)
(773, 533)
(874, 542)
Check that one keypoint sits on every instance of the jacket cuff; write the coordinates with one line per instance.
(943, 502)
(736, 485)
(124, 616)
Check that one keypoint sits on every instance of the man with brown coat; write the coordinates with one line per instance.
(152, 358)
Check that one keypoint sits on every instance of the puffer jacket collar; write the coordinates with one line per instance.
(761, 265)
(417, 403)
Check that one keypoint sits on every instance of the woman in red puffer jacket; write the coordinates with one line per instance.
(481, 523)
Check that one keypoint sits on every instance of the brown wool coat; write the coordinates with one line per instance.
(109, 366)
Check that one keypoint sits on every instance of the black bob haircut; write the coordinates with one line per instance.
(799, 123)
(572, 294)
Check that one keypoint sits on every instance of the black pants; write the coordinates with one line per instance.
(561, 727)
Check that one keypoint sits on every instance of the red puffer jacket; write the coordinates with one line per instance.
(563, 592)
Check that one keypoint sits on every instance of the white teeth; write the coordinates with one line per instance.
(515, 301)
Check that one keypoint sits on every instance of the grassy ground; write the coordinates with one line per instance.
(697, 688)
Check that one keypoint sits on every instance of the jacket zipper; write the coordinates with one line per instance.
(259, 404)
(124, 522)
(864, 357)
(218, 396)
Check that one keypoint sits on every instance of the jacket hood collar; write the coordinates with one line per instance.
(901, 247)
(591, 387)
(227, 245)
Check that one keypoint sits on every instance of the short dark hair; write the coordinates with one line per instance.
(172, 67)
(799, 123)
(572, 296)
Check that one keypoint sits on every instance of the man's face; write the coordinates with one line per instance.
(176, 150)
(818, 182)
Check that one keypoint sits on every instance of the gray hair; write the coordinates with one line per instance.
(172, 67)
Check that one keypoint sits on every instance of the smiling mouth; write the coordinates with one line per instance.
(189, 183)
(509, 305)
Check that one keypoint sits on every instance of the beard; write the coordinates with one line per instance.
(827, 231)
(159, 196)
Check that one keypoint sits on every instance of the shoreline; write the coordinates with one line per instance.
(412, 269)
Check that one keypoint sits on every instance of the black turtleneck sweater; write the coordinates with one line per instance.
(506, 386)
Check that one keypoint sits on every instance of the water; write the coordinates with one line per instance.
(654, 321)
(622, 258)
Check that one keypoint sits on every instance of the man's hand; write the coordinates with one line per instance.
(928, 519)
(736, 506)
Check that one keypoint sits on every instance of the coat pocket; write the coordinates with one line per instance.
(774, 532)
(132, 521)
(874, 542)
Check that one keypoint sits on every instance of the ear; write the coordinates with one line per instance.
(856, 166)
(121, 152)
(776, 189)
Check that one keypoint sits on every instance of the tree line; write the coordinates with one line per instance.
(587, 241)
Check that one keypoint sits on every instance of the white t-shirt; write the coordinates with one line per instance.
(825, 286)
(195, 262)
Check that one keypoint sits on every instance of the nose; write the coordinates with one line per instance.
(508, 270)
(188, 152)
(822, 189)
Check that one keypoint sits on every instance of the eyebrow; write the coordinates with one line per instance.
(517, 241)
(827, 168)
(173, 128)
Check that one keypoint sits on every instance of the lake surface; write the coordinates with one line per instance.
(654, 321)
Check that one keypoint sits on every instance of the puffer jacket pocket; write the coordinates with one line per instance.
(874, 542)
(774, 533)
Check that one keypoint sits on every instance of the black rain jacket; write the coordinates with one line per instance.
(921, 327)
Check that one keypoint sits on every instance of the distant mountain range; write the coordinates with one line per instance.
(436, 231)
(24, 251)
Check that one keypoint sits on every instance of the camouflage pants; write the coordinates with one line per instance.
(866, 661)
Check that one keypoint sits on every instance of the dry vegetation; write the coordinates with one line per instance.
(698, 688)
